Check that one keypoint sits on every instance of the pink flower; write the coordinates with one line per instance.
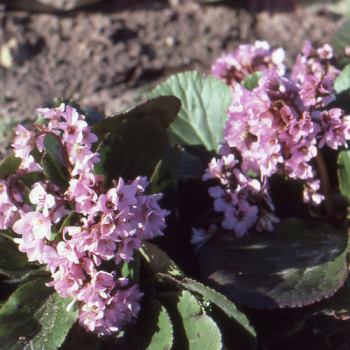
(34, 223)
(43, 200)
(23, 143)
(73, 127)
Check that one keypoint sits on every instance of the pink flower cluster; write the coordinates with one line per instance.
(277, 128)
(233, 68)
(108, 224)
(242, 199)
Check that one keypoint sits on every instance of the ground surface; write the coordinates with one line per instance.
(108, 59)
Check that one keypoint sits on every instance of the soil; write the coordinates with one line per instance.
(108, 59)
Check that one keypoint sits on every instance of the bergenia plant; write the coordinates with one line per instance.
(241, 179)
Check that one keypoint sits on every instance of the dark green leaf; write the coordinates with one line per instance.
(153, 330)
(70, 220)
(9, 166)
(342, 83)
(55, 323)
(13, 263)
(163, 108)
(161, 178)
(344, 174)
(54, 171)
(234, 325)
(158, 262)
(203, 114)
(182, 164)
(163, 337)
(252, 80)
(34, 274)
(131, 270)
(221, 301)
(52, 146)
(295, 265)
(190, 166)
(192, 328)
(20, 316)
(132, 149)
(91, 115)
(34, 318)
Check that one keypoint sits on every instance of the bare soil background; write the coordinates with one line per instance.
(107, 58)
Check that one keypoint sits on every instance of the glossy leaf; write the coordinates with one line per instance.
(344, 174)
(9, 166)
(35, 317)
(52, 146)
(219, 300)
(203, 113)
(132, 149)
(252, 80)
(182, 164)
(163, 108)
(295, 265)
(69, 220)
(55, 323)
(193, 329)
(158, 261)
(20, 315)
(342, 83)
(55, 172)
(153, 331)
(13, 263)
(163, 336)
(131, 270)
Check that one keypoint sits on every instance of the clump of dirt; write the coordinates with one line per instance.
(110, 60)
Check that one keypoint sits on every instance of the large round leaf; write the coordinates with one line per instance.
(295, 265)
(203, 115)
(193, 329)
(131, 149)
(35, 317)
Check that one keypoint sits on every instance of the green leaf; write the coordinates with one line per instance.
(234, 325)
(252, 80)
(34, 274)
(163, 336)
(341, 38)
(182, 164)
(54, 171)
(13, 263)
(295, 265)
(70, 220)
(158, 262)
(132, 149)
(34, 318)
(53, 146)
(131, 270)
(55, 323)
(192, 328)
(161, 178)
(20, 316)
(153, 331)
(342, 83)
(9, 166)
(92, 116)
(203, 114)
(163, 108)
(344, 174)
(219, 300)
